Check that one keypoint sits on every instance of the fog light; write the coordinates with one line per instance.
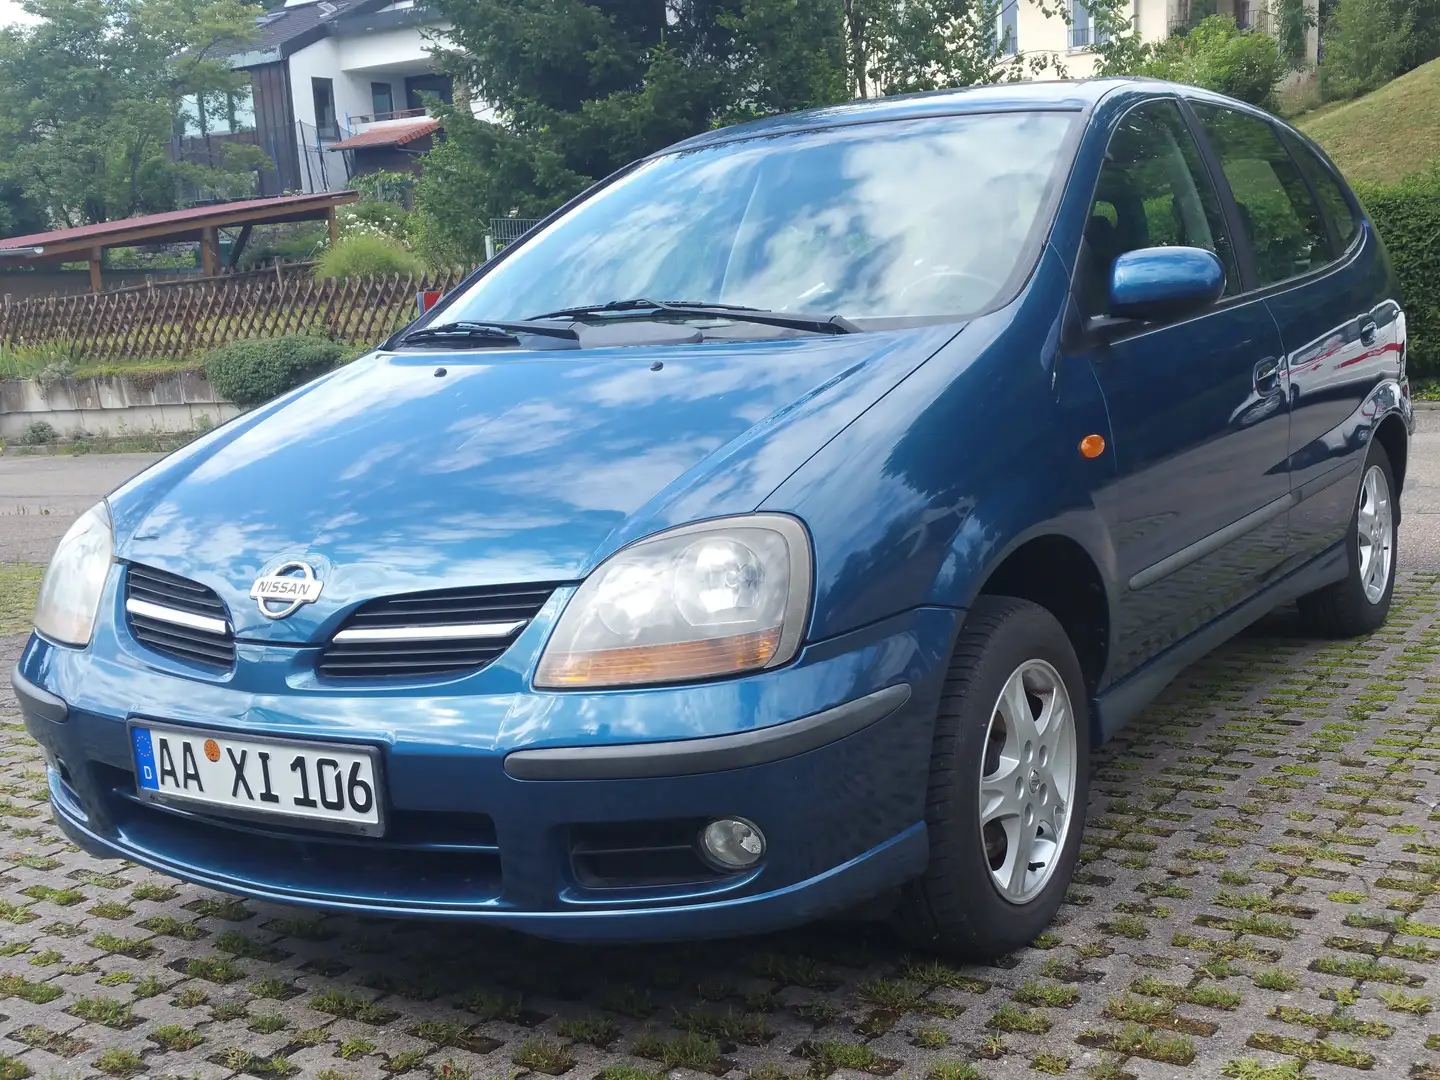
(732, 844)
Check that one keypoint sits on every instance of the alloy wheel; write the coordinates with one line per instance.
(1375, 531)
(1027, 781)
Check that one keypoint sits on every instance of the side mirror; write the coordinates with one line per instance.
(1164, 282)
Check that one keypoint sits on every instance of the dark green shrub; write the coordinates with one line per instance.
(1219, 56)
(1408, 218)
(250, 372)
(1365, 46)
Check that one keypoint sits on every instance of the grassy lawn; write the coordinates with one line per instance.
(1386, 135)
(19, 586)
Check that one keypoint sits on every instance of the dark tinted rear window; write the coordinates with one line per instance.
(1332, 197)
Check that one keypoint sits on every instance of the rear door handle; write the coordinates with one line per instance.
(1368, 330)
(1267, 374)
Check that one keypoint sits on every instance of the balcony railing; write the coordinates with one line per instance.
(1087, 37)
(394, 114)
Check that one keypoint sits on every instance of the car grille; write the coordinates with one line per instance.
(432, 634)
(177, 617)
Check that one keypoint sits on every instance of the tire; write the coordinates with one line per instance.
(958, 906)
(1354, 606)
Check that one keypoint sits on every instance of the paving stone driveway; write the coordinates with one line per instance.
(1260, 898)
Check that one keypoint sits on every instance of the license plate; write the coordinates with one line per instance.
(318, 785)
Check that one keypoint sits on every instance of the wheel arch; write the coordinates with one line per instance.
(1064, 571)
(1394, 437)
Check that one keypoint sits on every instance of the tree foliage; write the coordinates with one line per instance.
(1218, 55)
(582, 87)
(90, 96)
(910, 46)
(1369, 42)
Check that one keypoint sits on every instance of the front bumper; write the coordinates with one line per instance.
(501, 830)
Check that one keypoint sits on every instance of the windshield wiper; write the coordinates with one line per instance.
(499, 333)
(690, 309)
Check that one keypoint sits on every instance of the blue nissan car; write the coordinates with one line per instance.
(776, 528)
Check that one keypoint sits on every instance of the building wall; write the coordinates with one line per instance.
(401, 49)
(1051, 36)
(275, 122)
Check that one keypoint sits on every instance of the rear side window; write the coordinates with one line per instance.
(1281, 217)
(1327, 187)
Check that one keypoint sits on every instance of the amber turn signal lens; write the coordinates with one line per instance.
(680, 662)
(1092, 446)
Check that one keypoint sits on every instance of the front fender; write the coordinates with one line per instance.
(914, 502)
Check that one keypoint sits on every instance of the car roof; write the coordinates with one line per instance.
(1063, 94)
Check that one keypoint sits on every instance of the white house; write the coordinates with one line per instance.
(1031, 32)
(335, 87)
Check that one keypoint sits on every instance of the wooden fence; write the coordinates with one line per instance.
(178, 320)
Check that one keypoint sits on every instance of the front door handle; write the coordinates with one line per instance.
(1368, 330)
(1267, 375)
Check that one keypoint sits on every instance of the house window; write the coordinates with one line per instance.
(217, 114)
(1080, 27)
(191, 116)
(1008, 27)
(382, 100)
(324, 94)
(241, 109)
(418, 85)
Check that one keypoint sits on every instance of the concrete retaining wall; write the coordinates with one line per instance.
(110, 405)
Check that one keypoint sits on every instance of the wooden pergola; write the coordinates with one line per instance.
(86, 243)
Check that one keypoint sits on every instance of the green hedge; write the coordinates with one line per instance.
(1408, 218)
(250, 372)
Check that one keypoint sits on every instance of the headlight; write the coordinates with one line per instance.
(70, 591)
(701, 601)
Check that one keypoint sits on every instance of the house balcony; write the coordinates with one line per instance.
(395, 118)
(1087, 36)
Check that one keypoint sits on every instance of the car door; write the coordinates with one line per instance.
(1198, 408)
(1327, 288)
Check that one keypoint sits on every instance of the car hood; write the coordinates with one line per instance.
(411, 471)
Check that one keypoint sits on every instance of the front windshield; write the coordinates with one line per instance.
(903, 219)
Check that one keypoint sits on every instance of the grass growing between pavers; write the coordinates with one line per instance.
(19, 588)
(1280, 787)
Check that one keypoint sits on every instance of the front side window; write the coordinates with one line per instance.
(900, 219)
(1332, 198)
(1153, 192)
(1280, 216)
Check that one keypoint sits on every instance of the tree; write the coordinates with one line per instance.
(909, 46)
(1293, 21)
(90, 96)
(1370, 42)
(1218, 55)
(918, 45)
(582, 87)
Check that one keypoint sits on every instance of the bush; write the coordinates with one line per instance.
(363, 255)
(38, 434)
(250, 372)
(1408, 218)
(1219, 56)
(1365, 42)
